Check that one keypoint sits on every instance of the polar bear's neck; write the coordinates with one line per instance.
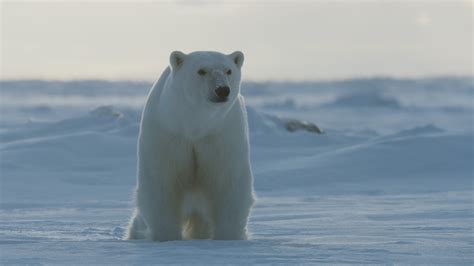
(192, 121)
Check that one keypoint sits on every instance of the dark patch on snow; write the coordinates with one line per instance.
(265, 123)
(295, 125)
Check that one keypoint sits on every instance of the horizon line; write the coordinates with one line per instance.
(361, 77)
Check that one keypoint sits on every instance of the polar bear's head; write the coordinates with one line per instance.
(209, 78)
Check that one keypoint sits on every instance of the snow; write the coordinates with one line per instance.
(390, 180)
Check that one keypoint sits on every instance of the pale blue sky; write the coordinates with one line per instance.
(282, 40)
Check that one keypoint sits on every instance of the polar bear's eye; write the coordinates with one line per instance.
(202, 72)
(229, 72)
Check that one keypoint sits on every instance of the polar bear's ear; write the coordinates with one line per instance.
(238, 58)
(177, 59)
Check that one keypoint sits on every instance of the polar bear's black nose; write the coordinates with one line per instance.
(223, 91)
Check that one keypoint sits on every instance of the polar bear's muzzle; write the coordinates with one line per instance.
(221, 94)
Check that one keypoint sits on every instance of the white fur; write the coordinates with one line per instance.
(194, 177)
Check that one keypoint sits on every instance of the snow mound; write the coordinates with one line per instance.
(419, 130)
(260, 123)
(106, 111)
(287, 103)
(365, 99)
(420, 161)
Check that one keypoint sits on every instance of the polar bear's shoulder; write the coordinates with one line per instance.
(160, 83)
(158, 86)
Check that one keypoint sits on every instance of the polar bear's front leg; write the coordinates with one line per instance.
(160, 212)
(231, 217)
(136, 227)
(231, 208)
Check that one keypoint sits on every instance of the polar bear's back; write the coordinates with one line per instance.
(157, 88)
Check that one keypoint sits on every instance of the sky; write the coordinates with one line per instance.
(281, 40)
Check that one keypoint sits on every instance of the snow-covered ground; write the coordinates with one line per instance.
(390, 180)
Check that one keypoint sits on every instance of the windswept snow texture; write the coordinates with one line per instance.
(389, 181)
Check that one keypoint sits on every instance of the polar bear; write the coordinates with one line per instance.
(194, 176)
